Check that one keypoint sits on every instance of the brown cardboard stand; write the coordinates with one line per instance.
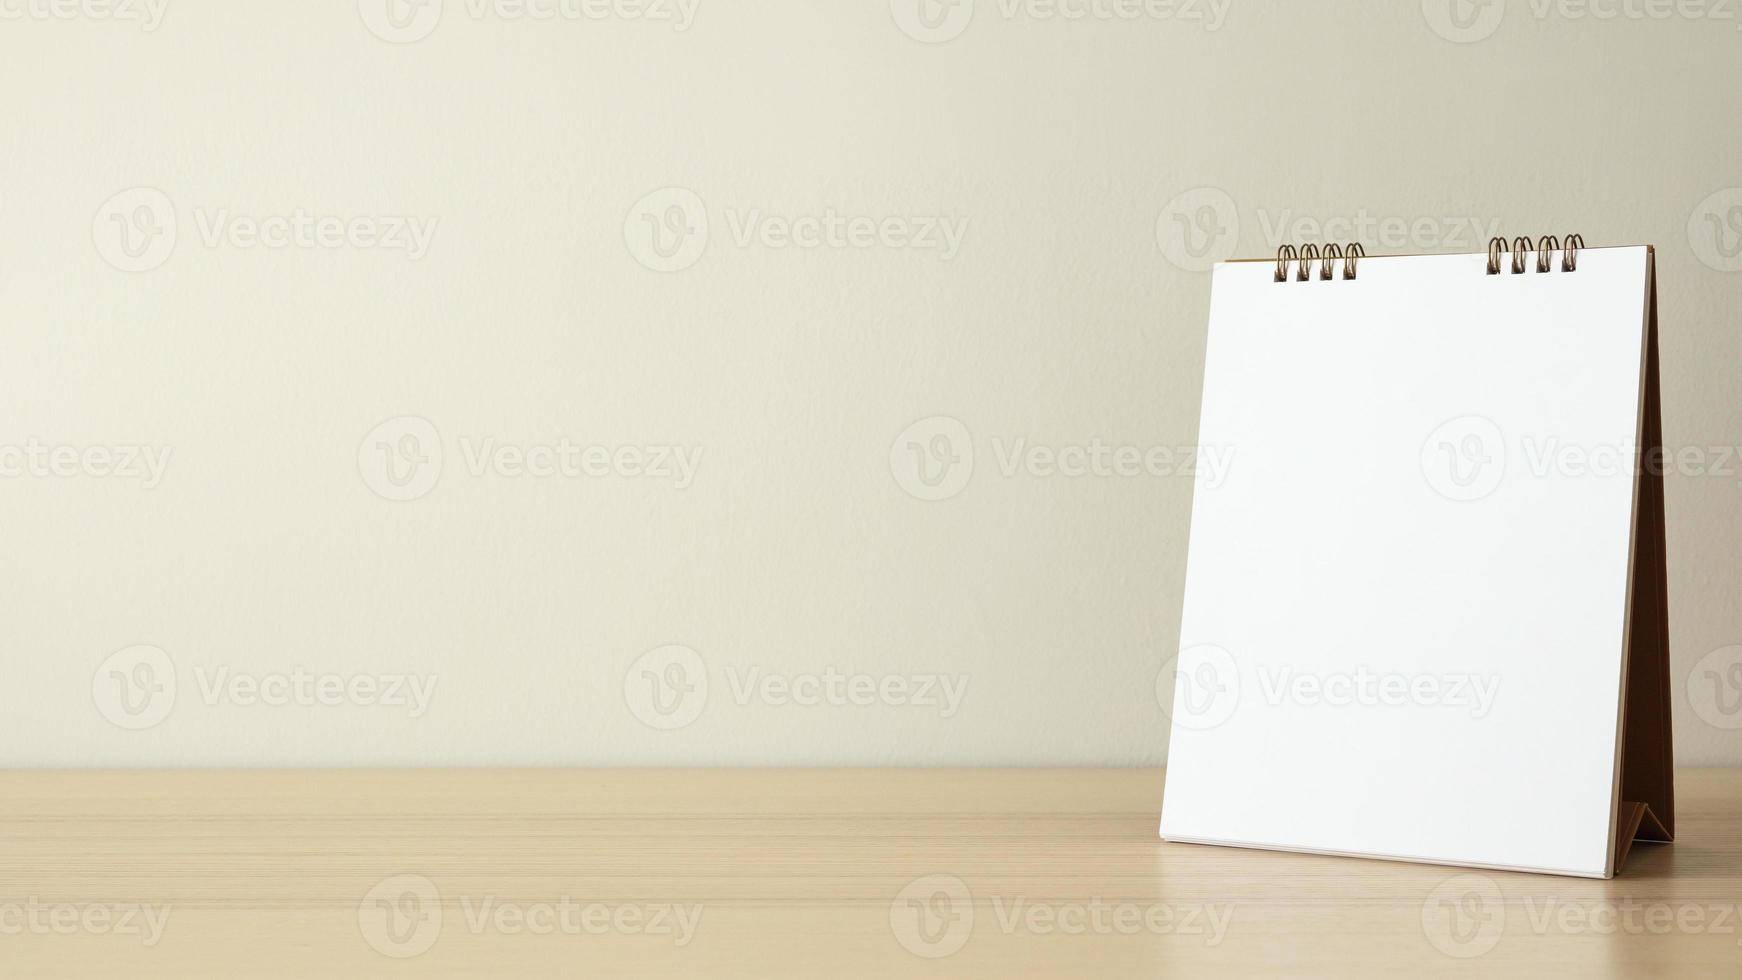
(1646, 802)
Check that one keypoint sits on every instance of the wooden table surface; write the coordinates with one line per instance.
(802, 873)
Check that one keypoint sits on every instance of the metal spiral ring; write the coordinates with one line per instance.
(1307, 256)
(1520, 246)
(1545, 249)
(1495, 247)
(1284, 256)
(1332, 253)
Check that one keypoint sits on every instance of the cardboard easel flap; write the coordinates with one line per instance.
(1647, 762)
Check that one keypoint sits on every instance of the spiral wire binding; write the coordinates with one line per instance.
(1307, 256)
(1332, 253)
(1545, 248)
(1304, 258)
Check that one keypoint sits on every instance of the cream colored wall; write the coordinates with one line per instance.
(743, 260)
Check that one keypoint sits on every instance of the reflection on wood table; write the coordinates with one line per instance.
(764, 873)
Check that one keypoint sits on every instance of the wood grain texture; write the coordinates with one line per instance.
(808, 873)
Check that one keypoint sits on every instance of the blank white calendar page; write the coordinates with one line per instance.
(1405, 599)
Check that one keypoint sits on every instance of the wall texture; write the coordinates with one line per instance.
(693, 381)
